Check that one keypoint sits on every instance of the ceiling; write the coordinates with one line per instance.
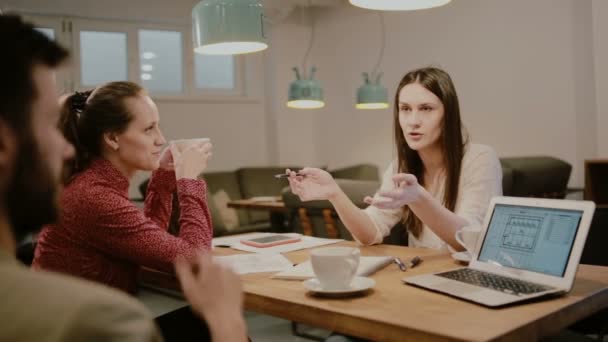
(277, 10)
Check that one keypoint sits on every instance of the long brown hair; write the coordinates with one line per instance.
(86, 116)
(452, 141)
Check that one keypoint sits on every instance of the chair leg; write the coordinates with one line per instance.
(296, 332)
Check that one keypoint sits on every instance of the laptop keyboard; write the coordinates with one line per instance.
(494, 281)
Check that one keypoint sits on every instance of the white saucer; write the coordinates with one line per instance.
(357, 285)
(463, 256)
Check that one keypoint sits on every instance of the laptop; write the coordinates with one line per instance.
(528, 248)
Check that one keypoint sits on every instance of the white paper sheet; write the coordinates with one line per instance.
(255, 263)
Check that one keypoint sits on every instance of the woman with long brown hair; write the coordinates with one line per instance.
(438, 183)
(101, 235)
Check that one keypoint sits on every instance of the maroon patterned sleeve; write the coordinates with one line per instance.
(159, 197)
(120, 229)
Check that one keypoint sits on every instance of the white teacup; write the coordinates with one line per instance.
(183, 144)
(335, 267)
(467, 237)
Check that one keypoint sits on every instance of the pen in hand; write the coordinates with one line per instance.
(285, 175)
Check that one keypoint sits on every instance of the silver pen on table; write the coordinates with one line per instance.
(411, 264)
(400, 263)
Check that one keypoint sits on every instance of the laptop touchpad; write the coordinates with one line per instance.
(457, 287)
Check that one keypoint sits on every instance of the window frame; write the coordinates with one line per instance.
(68, 28)
(78, 25)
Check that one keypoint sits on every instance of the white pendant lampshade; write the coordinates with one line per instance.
(398, 5)
(228, 27)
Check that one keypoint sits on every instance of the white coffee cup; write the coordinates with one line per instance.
(467, 237)
(183, 144)
(335, 267)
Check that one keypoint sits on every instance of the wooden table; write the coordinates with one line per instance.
(272, 206)
(396, 312)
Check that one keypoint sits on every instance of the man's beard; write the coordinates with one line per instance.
(32, 193)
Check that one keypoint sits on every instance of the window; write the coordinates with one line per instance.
(160, 61)
(214, 72)
(158, 56)
(103, 57)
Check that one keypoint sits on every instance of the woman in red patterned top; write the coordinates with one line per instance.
(101, 235)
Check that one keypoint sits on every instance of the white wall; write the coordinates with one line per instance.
(524, 71)
(531, 77)
(600, 39)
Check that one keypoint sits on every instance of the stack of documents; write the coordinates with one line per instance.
(367, 266)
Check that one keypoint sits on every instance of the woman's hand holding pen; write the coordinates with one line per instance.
(406, 191)
(312, 184)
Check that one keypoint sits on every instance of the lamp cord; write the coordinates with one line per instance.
(383, 38)
(312, 37)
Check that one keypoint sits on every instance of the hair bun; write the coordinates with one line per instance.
(79, 100)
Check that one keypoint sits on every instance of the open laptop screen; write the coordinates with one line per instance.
(530, 238)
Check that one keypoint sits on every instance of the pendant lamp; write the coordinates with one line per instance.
(306, 92)
(228, 27)
(398, 5)
(372, 95)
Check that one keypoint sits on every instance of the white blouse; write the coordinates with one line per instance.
(480, 180)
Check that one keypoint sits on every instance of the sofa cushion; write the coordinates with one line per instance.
(228, 216)
(260, 181)
(359, 172)
(228, 182)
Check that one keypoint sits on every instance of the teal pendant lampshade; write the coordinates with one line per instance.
(372, 95)
(305, 93)
(228, 27)
(398, 5)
